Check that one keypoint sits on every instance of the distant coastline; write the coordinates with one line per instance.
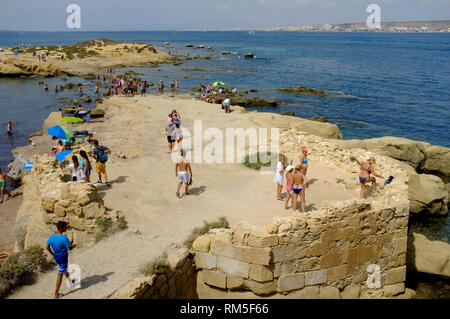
(387, 27)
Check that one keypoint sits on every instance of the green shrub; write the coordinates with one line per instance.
(123, 224)
(222, 222)
(21, 266)
(157, 266)
(248, 162)
(104, 224)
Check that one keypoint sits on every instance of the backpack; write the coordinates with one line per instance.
(101, 154)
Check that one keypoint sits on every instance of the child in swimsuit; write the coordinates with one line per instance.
(304, 160)
(289, 170)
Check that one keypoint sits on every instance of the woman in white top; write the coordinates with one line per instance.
(279, 177)
(76, 170)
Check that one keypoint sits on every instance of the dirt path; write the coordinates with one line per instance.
(8, 212)
(144, 189)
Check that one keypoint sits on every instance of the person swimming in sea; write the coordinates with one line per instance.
(364, 176)
(9, 129)
(46, 87)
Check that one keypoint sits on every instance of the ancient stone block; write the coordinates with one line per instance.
(333, 234)
(59, 210)
(48, 204)
(402, 222)
(400, 245)
(74, 209)
(94, 210)
(271, 228)
(233, 267)
(214, 278)
(260, 273)
(337, 273)
(308, 264)
(288, 252)
(261, 288)
(395, 275)
(262, 242)
(393, 290)
(329, 292)
(351, 292)
(292, 282)
(205, 261)
(316, 249)
(330, 260)
(76, 222)
(311, 292)
(252, 255)
(316, 277)
(284, 269)
(202, 243)
(64, 203)
(284, 239)
(234, 282)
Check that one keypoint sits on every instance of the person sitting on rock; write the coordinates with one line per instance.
(364, 176)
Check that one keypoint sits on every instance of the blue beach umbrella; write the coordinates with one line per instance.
(62, 155)
(61, 132)
(16, 53)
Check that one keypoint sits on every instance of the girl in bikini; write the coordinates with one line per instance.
(298, 186)
(304, 160)
(364, 176)
(289, 170)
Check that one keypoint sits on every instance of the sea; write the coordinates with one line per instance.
(378, 84)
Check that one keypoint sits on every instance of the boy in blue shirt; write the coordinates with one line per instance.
(58, 246)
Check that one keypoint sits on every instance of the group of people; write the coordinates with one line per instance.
(297, 182)
(42, 56)
(211, 95)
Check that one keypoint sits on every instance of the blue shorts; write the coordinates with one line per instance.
(62, 262)
(363, 179)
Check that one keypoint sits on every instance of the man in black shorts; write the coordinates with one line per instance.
(170, 130)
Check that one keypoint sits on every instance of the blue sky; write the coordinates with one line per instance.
(50, 15)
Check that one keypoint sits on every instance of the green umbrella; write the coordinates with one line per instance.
(71, 119)
(218, 83)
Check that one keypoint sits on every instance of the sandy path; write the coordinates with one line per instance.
(144, 189)
(8, 212)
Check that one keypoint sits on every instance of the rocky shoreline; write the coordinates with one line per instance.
(86, 59)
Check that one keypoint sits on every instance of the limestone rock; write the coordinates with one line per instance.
(97, 112)
(427, 193)
(351, 292)
(135, 288)
(437, 160)
(428, 256)
(202, 243)
(329, 292)
(393, 290)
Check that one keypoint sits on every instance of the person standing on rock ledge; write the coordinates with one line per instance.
(3, 178)
(364, 176)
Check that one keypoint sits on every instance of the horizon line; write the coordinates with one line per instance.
(221, 30)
